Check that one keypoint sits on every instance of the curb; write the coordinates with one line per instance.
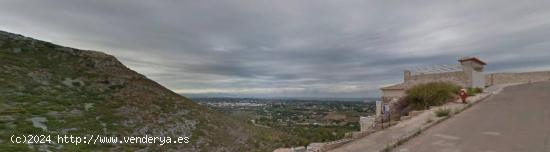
(406, 138)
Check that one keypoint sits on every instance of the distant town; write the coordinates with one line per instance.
(317, 120)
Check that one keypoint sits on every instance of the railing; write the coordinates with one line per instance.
(435, 69)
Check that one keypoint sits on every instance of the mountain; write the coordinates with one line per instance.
(47, 89)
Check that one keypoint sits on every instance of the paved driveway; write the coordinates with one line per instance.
(515, 120)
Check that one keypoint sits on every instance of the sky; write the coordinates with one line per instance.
(290, 48)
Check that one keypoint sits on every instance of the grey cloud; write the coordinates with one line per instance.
(289, 48)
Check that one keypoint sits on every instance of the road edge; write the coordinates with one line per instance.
(482, 97)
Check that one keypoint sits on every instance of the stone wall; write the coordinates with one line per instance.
(457, 77)
(366, 122)
(524, 77)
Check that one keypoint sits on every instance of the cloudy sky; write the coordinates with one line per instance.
(290, 48)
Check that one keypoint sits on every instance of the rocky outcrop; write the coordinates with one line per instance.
(51, 89)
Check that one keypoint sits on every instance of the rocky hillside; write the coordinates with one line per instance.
(50, 89)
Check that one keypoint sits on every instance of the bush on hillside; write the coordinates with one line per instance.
(473, 91)
(443, 112)
(431, 94)
(402, 107)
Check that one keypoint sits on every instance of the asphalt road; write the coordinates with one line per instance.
(515, 120)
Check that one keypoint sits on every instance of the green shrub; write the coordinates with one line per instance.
(443, 112)
(473, 91)
(431, 94)
(430, 120)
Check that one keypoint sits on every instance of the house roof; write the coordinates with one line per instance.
(471, 59)
(400, 86)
